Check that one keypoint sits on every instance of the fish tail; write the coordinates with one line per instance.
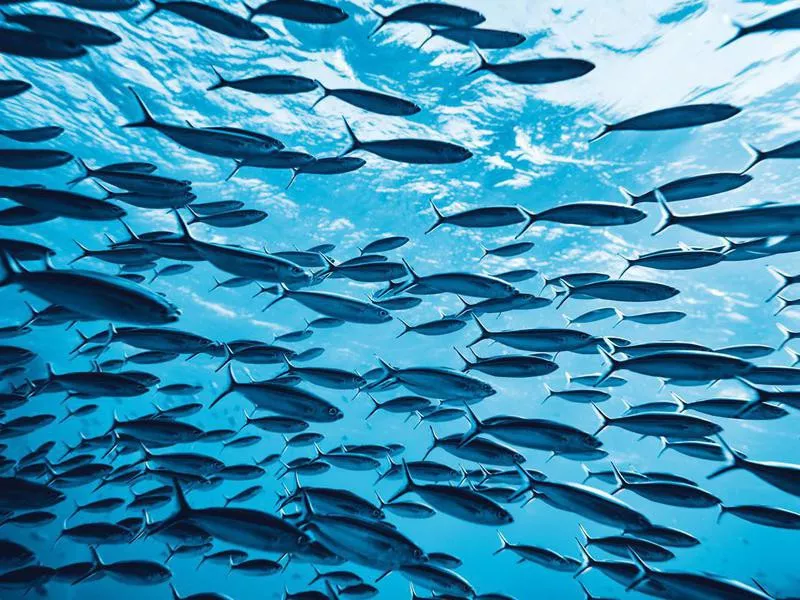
(231, 378)
(736, 461)
(787, 335)
(431, 34)
(566, 296)
(182, 224)
(741, 31)
(530, 219)
(605, 420)
(10, 268)
(475, 427)
(440, 218)
(295, 173)
(467, 363)
(783, 281)
(667, 216)
(147, 119)
(97, 565)
(643, 567)
(722, 510)
(588, 560)
(251, 12)
(86, 172)
(484, 333)
(629, 196)
(628, 265)
(239, 164)
(483, 64)
(325, 93)
(221, 81)
(605, 128)
(355, 144)
(157, 6)
(84, 252)
(375, 408)
(408, 486)
(280, 296)
(382, 20)
(503, 543)
(756, 156)
(406, 328)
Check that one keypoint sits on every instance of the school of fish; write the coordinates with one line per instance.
(153, 470)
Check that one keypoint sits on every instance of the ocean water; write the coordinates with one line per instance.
(530, 146)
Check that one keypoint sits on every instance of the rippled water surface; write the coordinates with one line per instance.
(530, 147)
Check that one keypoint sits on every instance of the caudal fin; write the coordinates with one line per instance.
(483, 64)
(355, 143)
(605, 128)
(667, 216)
(382, 20)
(440, 219)
(221, 81)
(147, 119)
(756, 156)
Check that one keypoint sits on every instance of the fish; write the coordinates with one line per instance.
(519, 365)
(33, 160)
(283, 400)
(229, 219)
(762, 515)
(337, 306)
(92, 293)
(621, 545)
(328, 165)
(787, 20)
(486, 216)
(667, 492)
(584, 500)
(536, 71)
(765, 219)
(223, 143)
(438, 382)
(409, 150)
(689, 188)
(485, 39)
(210, 17)
(535, 340)
(542, 556)
(659, 317)
(9, 88)
(462, 503)
(266, 84)
(68, 30)
(600, 214)
(33, 134)
(676, 117)
(514, 249)
(301, 11)
(660, 424)
(368, 100)
(695, 365)
(465, 284)
(622, 290)
(430, 13)
(28, 44)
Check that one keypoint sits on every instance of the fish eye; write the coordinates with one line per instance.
(333, 410)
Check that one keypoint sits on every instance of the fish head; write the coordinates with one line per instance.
(333, 414)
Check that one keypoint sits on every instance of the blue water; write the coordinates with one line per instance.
(530, 148)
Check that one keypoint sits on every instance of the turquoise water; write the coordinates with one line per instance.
(530, 146)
